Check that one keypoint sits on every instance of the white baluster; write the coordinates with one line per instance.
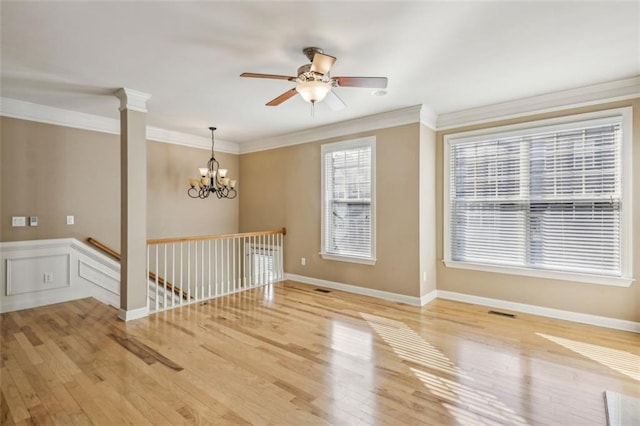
(202, 272)
(215, 268)
(181, 274)
(156, 271)
(244, 262)
(148, 302)
(233, 263)
(164, 276)
(173, 273)
(189, 271)
(281, 256)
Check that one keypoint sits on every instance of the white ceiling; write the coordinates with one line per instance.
(449, 56)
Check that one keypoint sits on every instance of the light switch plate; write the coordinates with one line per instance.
(33, 220)
(70, 220)
(18, 221)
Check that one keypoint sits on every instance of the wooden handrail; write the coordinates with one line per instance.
(282, 231)
(105, 248)
(159, 280)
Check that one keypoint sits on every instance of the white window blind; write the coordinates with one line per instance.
(545, 198)
(348, 199)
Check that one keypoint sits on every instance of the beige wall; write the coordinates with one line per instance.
(170, 211)
(608, 301)
(281, 187)
(53, 171)
(428, 278)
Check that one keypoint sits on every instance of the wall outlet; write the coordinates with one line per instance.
(33, 220)
(48, 277)
(303, 261)
(18, 221)
(71, 220)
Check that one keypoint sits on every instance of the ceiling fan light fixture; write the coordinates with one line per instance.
(313, 91)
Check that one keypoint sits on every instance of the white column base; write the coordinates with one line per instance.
(133, 314)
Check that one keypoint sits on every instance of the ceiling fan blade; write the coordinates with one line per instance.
(280, 99)
(372, 82)
(334, 102)
(322, 63)
(274, 76)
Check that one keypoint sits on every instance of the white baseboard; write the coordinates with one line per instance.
(614, 323)
(427, 298)
(386, 295)
(607, 322)
(133, 314)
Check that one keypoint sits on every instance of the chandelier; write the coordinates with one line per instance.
(213, 179)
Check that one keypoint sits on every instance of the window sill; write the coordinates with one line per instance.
(539, 273)
(351, 259)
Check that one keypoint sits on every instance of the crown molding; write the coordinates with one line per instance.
(184, 139)
(573, 98)
(378, 121)
(60, 117)
(428, 117)
(132, 99)
(22, 110)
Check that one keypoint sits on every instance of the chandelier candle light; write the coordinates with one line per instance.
(213, 179)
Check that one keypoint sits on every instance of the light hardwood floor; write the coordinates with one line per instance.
(287, 354)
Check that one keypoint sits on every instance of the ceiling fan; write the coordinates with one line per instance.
(314, 82)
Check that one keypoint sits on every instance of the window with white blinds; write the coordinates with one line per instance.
(544, 198)
(348, 201)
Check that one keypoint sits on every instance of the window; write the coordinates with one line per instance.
(348, 201)
(552, 200)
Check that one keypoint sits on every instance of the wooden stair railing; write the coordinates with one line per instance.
(152, 276)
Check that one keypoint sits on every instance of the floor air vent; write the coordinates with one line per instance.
(502, 314)
(321, 290)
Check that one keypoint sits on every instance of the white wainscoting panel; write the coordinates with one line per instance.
(37, 273)
(43, 272)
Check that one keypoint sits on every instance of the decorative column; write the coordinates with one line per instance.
(133, 204)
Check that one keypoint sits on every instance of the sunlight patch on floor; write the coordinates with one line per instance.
(350, 340)
(620, 361)
(467, 405)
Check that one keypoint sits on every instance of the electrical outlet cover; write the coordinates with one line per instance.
(33, 220)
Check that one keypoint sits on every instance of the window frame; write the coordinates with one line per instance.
(554, 124)
(370, 142)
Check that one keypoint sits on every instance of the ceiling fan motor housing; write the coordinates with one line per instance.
(305, 74)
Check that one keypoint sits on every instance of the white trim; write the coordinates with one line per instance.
(132, 99)
(133, 314)
(22, 110)
(579, 97)
(543, 273)
(596, 320)
(573, 98)
(368, 142)
(24, 257)
(363, 124)
(625, 114)
(350, 259)
(177, 138)
(379, 294)
(429, 297)
(103, 284)
(428, 117)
